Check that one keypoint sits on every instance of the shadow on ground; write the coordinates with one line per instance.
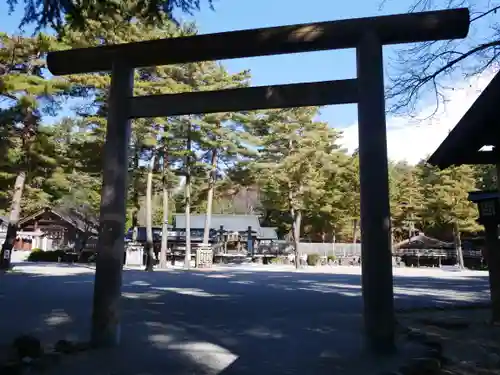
(227, 322)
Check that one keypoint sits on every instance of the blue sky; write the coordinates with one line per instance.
(306, 67)
(233, 15)
(318, 66)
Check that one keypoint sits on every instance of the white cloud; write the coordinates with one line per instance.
(412, 140)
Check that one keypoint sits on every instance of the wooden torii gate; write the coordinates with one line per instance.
(367, 35)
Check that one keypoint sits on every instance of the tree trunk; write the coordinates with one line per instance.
(15, 212)
(83, 242)
(210, 196)
(458, 246)
(297, 221)
(187, 193)
(164, 231)
(355, 231)
(135, 194)
(149, 218)
(392, 238)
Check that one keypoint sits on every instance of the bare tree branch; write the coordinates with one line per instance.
(481, 15)
(427, 68)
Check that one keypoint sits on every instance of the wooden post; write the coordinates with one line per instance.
(250, 241)
(493, 254)
(187, 196)
(493, 250)
(108, 276)
(377, 282)
(221, 233)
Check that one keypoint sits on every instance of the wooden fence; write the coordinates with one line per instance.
(327, 249)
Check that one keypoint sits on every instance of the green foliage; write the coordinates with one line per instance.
(406, 200)
(38, 255)
(296, 157)
(445, 193)
(485, 176)
(313, 259)
(281, 164)
(25, 144)
(56, 13)
(274, 261)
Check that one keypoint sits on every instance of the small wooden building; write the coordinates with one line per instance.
(61, 229)
(421, 250)
(267, 241)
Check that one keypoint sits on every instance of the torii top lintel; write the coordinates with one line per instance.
(393, 29)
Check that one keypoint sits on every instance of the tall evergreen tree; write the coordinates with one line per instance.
(406, 202)
(446, 204)
(150, 136)
(29, 95)
(351, 202)
(293, 154)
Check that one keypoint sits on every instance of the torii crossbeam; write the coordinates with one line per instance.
(367, 35)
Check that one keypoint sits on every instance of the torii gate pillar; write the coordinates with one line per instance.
(111, 242)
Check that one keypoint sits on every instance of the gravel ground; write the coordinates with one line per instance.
(470, 343)
(228, 320)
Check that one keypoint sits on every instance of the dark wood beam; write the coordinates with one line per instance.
(394, 29)
(481, 157)
(376, 253)
(477, 128)
(478, 157)
(246, 99)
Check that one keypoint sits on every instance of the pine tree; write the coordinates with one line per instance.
(221, 135)
(29, 94)
(150, 136)
(446, 204)
(72, 180)
(406, 200)
(293, 153)
(76, 14)
(326, 213)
